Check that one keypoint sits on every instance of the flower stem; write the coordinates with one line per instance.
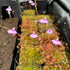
(4, 27)
(36, 13)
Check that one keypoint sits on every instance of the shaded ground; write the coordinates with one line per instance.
(7, 43)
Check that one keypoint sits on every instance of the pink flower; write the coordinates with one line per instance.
(32, 4)
(43, 21)
(50, 31)
(12, 31)
(9, 9)
(33, 35)
(56, 42)
(39, 39)
(36, 21)
(30, 1)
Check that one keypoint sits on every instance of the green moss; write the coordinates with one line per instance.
(31, 56)
(28, 12)
(28, 68)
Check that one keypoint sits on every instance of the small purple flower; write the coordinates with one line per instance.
(50, 31)
(32, 4)
(12, 31)
(30, 1)
(43, 21)
(56, 42)
(33, 35)
(39, 39)
(9, 9)
(36, 21)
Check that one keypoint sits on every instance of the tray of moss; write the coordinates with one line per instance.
(39, 49)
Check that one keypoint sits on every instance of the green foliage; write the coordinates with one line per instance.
(30, 56)
(29, 67)
(28, 12)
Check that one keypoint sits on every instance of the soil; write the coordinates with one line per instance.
(7, 42)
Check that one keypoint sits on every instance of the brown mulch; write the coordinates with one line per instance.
(7, 43)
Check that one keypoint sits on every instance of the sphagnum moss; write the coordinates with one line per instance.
(39, 50)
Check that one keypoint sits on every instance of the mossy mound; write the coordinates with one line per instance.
(29, 12)
(36, 51)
